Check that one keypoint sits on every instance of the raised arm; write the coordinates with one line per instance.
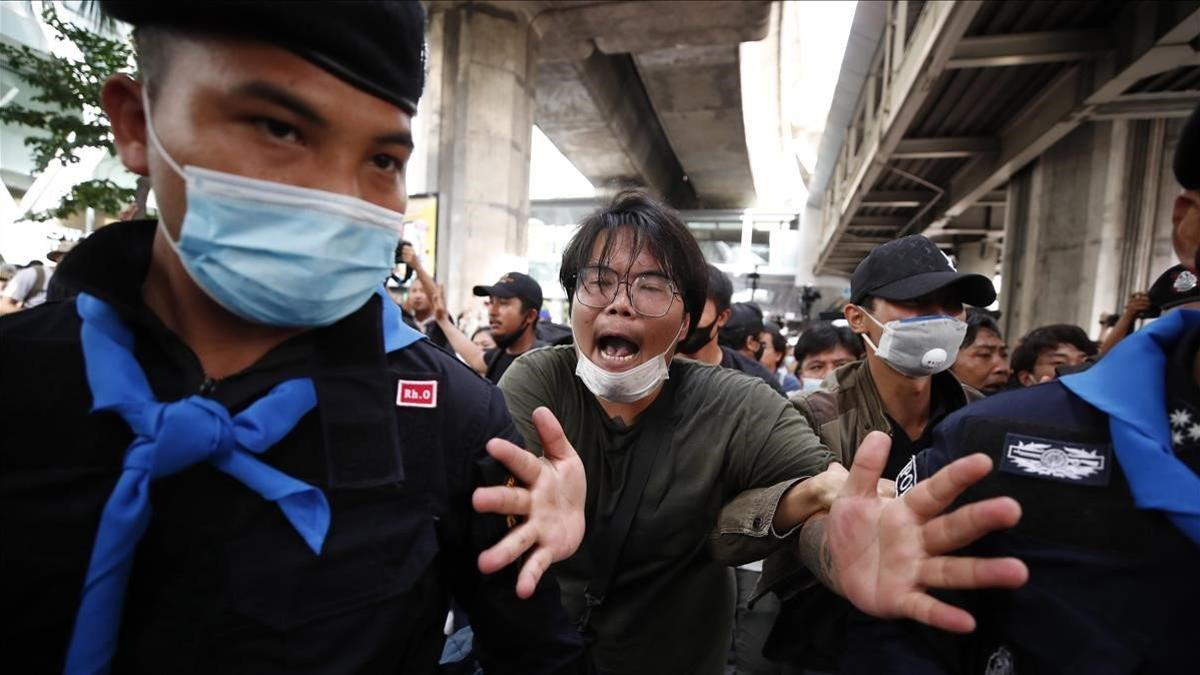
(471, 353)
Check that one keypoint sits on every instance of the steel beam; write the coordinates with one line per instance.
(944, 148)
(877, 222)
(1022, 49)
(1074, 96)
(1142, 108)
(896, 199)
(910, 82)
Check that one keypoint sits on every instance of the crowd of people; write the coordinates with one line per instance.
(250, 436)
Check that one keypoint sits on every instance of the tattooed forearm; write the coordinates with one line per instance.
(814, 551)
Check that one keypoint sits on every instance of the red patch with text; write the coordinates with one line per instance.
(417, 394)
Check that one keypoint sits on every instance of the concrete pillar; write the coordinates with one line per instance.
(478, 110)
(1088, 223)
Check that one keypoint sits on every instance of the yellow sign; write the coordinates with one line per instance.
(420, 229)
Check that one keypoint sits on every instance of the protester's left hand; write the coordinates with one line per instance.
(550, 497)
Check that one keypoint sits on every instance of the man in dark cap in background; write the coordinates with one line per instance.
(254, 467)
(1105, 464)
(514, 304)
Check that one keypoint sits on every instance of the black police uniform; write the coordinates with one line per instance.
(221, 582)
(1112, 588)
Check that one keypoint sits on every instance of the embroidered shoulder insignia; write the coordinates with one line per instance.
(1066, 462)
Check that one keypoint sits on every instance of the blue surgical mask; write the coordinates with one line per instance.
(278, 254)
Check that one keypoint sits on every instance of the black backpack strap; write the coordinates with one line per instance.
(608, 538)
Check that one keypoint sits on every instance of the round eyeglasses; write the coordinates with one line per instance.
(650, 294)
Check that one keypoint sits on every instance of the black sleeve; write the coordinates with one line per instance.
(511, 635)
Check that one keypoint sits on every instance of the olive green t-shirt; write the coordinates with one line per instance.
(670, 606)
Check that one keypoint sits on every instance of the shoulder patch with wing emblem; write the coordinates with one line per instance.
(1066, 462)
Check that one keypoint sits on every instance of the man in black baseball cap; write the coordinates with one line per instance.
(255, 466)
(907, 302)
(513, 306)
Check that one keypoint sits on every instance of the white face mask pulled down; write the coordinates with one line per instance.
(919, 346)
(626, 386)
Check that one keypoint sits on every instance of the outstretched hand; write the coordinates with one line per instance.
(883, 554)
(550, 495)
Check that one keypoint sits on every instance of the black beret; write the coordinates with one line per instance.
(1187, 153)
(377, 46)
(1174, 287)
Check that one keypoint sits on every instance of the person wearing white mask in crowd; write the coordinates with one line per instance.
(823, 348)
(666, 443)
(907, 304)
(773, 356)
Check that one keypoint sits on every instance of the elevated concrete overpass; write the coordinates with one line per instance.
(633, 93)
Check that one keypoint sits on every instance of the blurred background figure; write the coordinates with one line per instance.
(822, 349)
(514, 308)
(482, 337)
(773, 355)
(1050, 351)
(983, 358)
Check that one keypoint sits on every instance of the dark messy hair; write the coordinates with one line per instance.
(720, 288)
(1046, 338)
(778, 342)
(977, 320)
(822, 337)
(655, 228)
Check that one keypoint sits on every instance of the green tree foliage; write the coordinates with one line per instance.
(73, 120)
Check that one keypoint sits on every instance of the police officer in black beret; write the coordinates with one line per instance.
(1105, 464)
(228, 454)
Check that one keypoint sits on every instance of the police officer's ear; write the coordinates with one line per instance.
(121, 98)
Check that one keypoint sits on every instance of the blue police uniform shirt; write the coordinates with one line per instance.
(1112, 588)
(221, 582)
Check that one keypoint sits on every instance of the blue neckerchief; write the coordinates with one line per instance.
(170, 437)
(1129, 384)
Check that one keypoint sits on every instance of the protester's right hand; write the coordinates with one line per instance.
(884, 554)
